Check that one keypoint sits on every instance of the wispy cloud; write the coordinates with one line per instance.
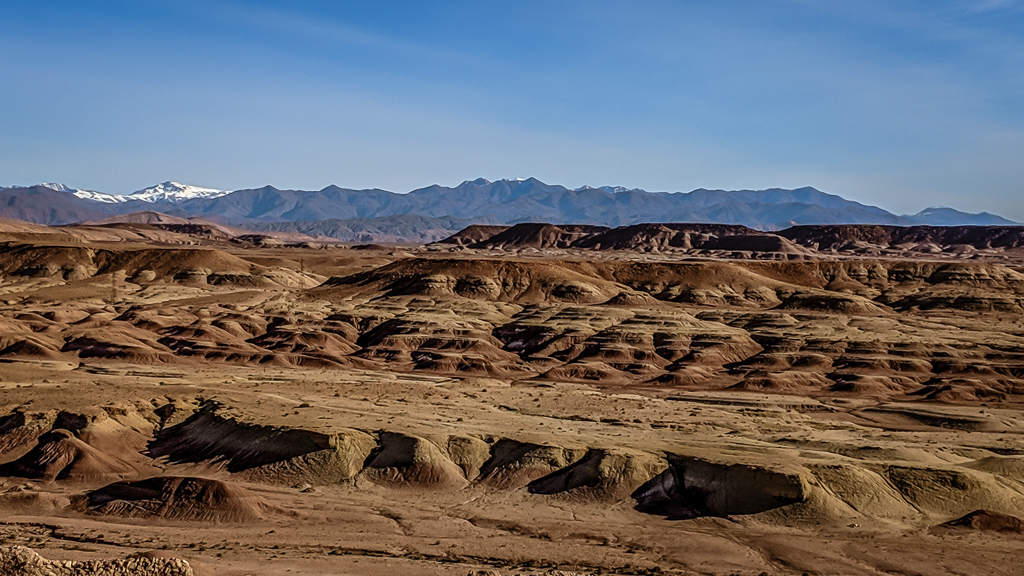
(322, 27)
(993, 5)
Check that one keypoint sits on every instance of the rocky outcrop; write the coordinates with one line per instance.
(21, 561)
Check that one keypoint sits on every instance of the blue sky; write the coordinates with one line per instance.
(903, 104)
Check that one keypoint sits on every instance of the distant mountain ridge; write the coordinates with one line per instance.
(426, 213)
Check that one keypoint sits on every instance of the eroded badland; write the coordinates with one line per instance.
(714, 404)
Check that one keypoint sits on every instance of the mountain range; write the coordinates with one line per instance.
(428, 213)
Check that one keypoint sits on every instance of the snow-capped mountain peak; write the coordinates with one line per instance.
(174, 192)
(163, 192)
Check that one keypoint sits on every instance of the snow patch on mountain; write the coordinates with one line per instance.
(96, 196)
(57, 187)
(609, 189)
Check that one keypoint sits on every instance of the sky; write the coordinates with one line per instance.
(901, 104)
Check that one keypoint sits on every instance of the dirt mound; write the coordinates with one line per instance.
(59, 455)
(473, 234)
(341, 461)
(207, 436)
(949, 491)
(263, 453)
(648, 237)
(540, 236)
(180, 498)
(20, 561)
(1009, 466)
(30, 347)
(514, 463)
(406, 461)
(985, 521)
(601, 474)
(632, 299)
(116, 430)
(756, 243)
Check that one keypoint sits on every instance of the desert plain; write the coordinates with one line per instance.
(653, 399)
